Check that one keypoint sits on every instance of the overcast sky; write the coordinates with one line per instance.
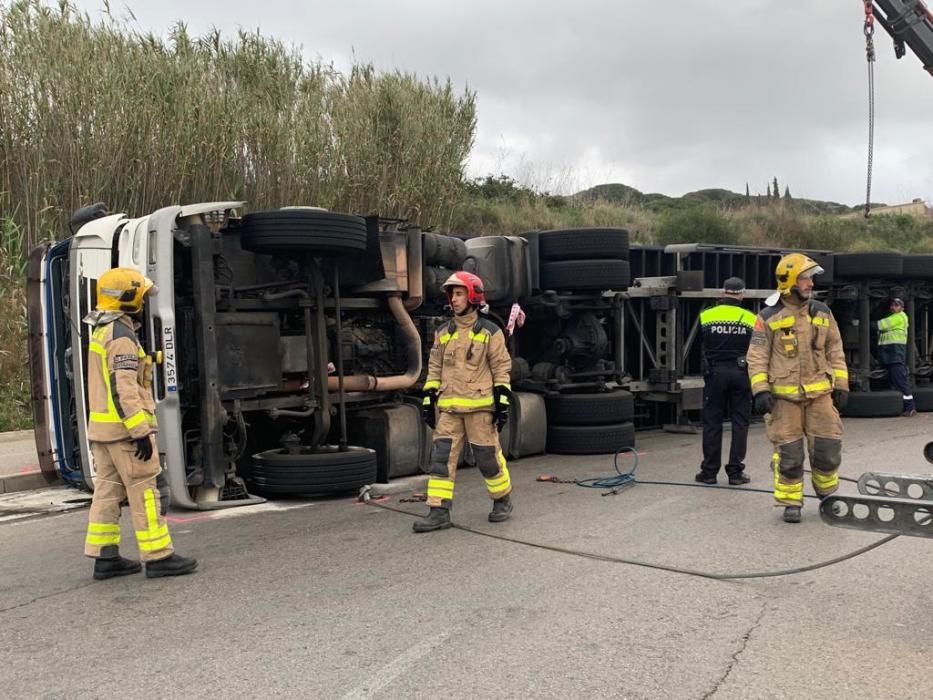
(664, 96)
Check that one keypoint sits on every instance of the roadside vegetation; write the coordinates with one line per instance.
(96, 110)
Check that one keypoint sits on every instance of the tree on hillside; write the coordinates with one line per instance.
(768, 192)
(748, 195)
(787, 196)
(776, 190)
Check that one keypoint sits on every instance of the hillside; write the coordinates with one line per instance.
(625, 195)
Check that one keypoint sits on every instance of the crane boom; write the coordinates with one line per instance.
(908, 22)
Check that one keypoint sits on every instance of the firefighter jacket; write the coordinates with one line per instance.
(120, 402)
(467, 360)
(892, 343)
(727, 330)
(796, 351)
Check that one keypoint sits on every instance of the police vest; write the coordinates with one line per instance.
(727, 330)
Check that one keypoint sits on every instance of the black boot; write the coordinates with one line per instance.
(501, 510)
(174, 565)
(791, 514)
(115, 566)
(739, 479)
(437, 519)
(704, 478)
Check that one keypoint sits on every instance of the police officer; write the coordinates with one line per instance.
(466, 397)
(121, 430)
(726, 329)
(800, 383)
(892, 352)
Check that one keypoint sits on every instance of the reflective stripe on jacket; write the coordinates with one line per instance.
(796, 351)
(892, 343)
(120, 406)
(467, 359)
(726, 329)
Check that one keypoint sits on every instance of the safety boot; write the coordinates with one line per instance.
(436, 519)
(501, 510)
(704, 478)
(109, 567)
(791, 514)
(173, 565)
(739, 479)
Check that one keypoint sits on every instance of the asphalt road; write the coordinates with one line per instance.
(337, 600)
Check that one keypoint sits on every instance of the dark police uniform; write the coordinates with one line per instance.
(726, 329)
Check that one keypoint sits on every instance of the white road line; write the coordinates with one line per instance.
(387, 675)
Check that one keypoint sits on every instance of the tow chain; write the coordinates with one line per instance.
(869, 31)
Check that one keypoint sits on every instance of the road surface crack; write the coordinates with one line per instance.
(46, 597)
(738, 652)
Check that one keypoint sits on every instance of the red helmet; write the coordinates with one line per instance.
(472, 283)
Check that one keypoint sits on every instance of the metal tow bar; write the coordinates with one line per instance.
(899, 504)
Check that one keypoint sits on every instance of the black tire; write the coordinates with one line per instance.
(590, 409)
(874, 264)
(589, 439)
(918, 267)
(923, 398)
(584, 243)
(315, 232)
(323, 470)
(873, 404)
(443, 251)
(581, 275)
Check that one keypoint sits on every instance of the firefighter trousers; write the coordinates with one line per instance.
(789, 426)
(121, 475)
(727, 393)
(479, 430)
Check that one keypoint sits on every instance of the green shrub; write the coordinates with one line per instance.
(704, 223)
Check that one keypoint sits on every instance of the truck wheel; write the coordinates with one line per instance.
(589, 439)
(873, 404)
(923, 398)
(320, 470)
(443, 251)
(590, 409)
(918, 267)
(309, 231)
(581, 275)
(584, 243)
(863, 265)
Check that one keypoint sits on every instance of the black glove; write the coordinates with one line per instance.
(763, 403)
(429, 408)
(500, 416)
(840, 398)
(144, 448)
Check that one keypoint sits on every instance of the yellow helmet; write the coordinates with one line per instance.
(792, 267)
(123, 289)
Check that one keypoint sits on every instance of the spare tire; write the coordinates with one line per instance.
(309, 231)
(443, 251)
(863, 265)
(589, 439)
(584, 243)
(320, 470)
(584, 275)
(918, 267)
(923, 398)
(874, 404)
(590, 409)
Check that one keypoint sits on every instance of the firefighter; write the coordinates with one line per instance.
(466, 397)
(726, 329)
(121, 431)
(800, 383)
(892, 352)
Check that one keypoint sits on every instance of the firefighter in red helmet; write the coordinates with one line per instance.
(466, 397)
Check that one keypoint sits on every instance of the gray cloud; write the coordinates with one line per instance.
(667, 97)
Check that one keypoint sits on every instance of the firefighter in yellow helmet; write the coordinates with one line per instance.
(800, 383)
(121, 431)
(466, 397)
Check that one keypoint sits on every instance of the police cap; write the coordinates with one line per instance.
(733, 285)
